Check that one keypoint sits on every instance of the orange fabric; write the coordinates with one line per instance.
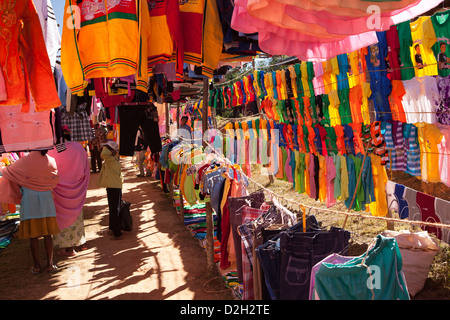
(34, 228)
(311, 136)
(307, 184)
(25, 64)
(267, 105)
(395, 101)
(357, 137)
(307, 116)
(340, 142)
(300, 141)
(355, 97)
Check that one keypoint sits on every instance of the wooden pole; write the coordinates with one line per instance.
(178, 114)
(209, 213)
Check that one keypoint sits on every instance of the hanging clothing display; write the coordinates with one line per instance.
(25, 68)
(348, 280)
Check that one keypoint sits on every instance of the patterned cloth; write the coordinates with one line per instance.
(443, 110)
(249, 214)
(99, 138)
(411, 136)
(72, 236)
(78, 123)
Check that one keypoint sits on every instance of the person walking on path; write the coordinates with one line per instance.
(141, 147)
(29, 181)
(96, 147)
(111, 178)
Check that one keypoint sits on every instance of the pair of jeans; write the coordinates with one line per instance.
(132, 116)
(114, 196)
(269, 254)
(300, 251)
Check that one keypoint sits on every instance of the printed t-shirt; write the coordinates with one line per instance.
(376, 57)
(420, 99)
(441, 48)
(422, 55)
(357, 62)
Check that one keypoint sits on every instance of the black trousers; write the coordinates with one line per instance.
(114, 196)
(133, 116)
(96, 160)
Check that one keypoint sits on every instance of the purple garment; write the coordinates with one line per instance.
(400, 152)
(443, 110)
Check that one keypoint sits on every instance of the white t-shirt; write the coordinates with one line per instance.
(421, 99)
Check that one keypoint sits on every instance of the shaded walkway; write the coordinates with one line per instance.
(158, 260)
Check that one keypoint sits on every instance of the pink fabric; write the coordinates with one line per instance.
(70, 193)
(3, 93)
(314, 51)
(347, 25)
(34, 171)
(331, 175)
(25, 130)
(312, 37)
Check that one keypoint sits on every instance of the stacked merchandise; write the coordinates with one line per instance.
(265, 250)
(9, 213)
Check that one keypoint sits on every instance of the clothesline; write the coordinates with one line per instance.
(384, 148)
(346, 79)
(273, 194)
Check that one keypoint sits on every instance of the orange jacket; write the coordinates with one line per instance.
(23, 57)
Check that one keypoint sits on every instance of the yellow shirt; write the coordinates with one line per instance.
(333, 109)
(423, 35)
(429, 138)
(379, 207)
(330, 70)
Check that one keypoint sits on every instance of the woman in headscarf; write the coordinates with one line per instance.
(70, 196)
(29, 182)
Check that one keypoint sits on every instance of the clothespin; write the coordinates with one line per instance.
(302, 207)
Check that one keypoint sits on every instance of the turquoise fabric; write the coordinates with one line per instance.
(353, 281)
(36, 204)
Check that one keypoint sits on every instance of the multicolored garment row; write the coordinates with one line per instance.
(311, 157)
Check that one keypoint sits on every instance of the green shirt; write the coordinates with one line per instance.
(441, 26)
(405, 38)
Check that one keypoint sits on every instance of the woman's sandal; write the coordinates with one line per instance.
(52, 269)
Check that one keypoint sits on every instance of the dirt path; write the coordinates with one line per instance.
(158, 260)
